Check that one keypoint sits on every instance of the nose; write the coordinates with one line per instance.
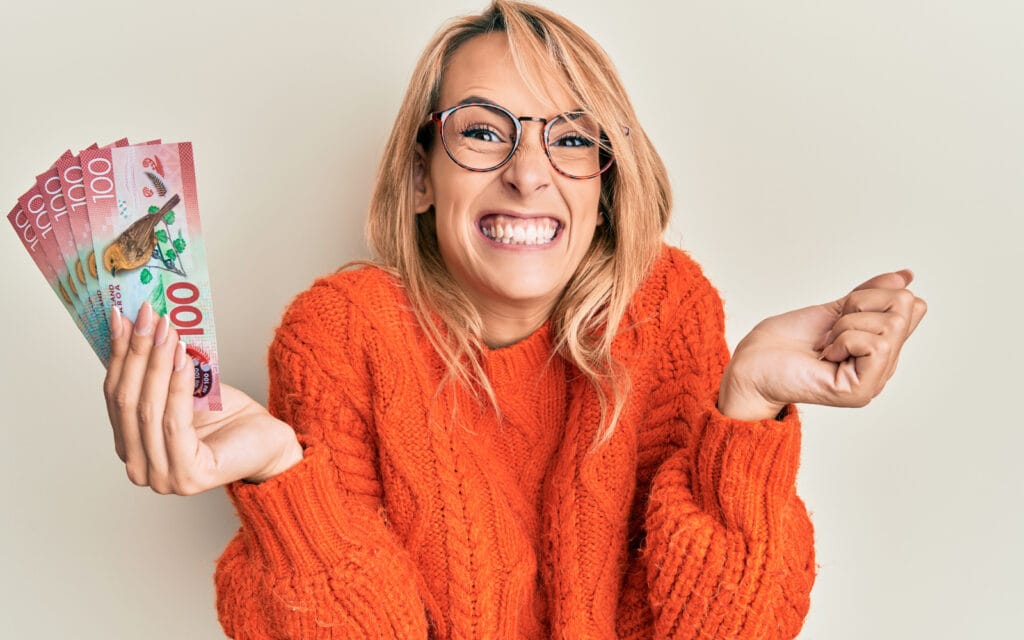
(529, 170)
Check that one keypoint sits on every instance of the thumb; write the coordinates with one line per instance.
(892, 280)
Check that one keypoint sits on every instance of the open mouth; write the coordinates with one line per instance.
(513, 230)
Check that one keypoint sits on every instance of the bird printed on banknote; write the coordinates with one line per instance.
(134, 247)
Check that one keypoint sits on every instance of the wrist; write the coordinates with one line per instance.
(752, 413)
(734, 403)
(290, 455)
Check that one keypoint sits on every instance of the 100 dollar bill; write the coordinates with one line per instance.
(34, 243)
(144, 220)
(48, 184)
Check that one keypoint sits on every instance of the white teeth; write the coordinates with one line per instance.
(531, 234)
(519, 231)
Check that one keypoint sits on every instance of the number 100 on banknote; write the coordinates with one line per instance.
(148, 244)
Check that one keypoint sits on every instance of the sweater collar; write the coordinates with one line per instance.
(529, 354)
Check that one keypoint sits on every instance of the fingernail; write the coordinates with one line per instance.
(161, 331)
(179, 356)
(144, 321)
(115, 323)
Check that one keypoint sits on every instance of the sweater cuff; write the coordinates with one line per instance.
(292, 521)
(746, 468)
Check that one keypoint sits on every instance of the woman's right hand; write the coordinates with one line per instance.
(166, 445)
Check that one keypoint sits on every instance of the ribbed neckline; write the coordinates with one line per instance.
(529, 354)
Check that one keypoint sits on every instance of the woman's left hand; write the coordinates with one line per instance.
(840, 353)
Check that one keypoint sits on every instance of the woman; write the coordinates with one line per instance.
(524, 420)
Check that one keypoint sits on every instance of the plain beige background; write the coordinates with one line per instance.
(811, 145)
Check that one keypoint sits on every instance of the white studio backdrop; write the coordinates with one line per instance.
(811, 145)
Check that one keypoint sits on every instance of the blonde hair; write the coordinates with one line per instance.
(635, 199)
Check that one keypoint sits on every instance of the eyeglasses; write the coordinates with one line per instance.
(480, 136)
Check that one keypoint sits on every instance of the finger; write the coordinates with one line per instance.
(120, 331)
(126, 394)
(863, 358)
(898, 302)
(892, 280)
(920, 308)
(871, 321)
(887, 325)
(178, 428)
(879, 300)
(152, 403)
(118, 344)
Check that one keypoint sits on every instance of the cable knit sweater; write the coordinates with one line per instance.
(685, 524)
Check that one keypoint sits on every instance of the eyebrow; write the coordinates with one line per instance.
(470, 99)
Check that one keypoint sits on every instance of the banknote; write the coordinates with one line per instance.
(35, 211)
(33, 205)
(69, 172)
(35, 244)
(49, 186)
(144, 220)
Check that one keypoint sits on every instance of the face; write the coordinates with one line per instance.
(512, 237)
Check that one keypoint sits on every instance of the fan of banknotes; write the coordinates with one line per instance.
(117, 226)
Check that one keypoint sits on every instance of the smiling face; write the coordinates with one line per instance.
(513, 237)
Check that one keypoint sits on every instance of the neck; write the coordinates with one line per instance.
(508, 325)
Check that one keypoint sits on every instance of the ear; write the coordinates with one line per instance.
(422, 186)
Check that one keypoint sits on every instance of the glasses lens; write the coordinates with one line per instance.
(479, 137)
(577, 146)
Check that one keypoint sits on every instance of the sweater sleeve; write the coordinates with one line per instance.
(313, 557)
(728, 544)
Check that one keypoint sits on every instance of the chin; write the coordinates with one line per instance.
(525, 288)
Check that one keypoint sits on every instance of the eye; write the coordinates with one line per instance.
(481, 132)
(573, 140)
(575, 130)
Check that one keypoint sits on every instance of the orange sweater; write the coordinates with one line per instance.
(685, 525)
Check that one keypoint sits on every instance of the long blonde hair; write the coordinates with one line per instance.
(635, 200)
